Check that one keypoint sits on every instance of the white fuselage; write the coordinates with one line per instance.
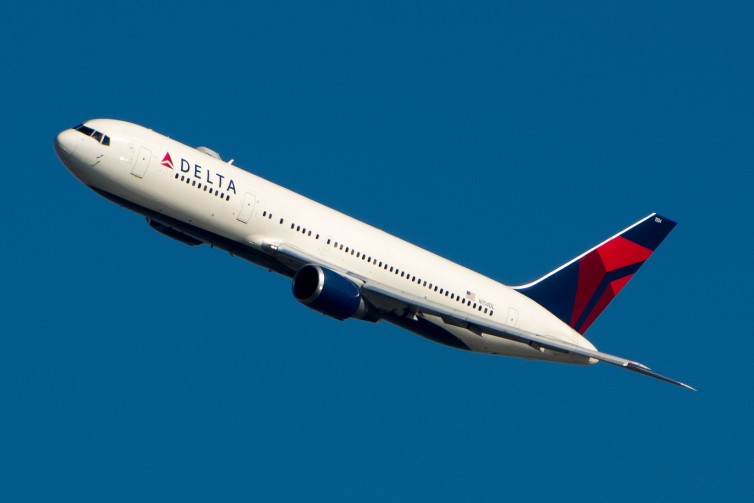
(233, 209)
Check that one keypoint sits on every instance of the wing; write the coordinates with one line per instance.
(390, 299)
(419, 306)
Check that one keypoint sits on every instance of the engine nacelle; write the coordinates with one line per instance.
(330, 293)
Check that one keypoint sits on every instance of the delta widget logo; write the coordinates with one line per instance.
(167, 161)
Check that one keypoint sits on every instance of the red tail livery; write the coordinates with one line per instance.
(580, 290)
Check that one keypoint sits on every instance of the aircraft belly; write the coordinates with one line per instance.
(234, 247)
(426, 329)
(504, 347)
(485, 343)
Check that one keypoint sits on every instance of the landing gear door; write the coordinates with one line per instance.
(142, 162)
(247, 208)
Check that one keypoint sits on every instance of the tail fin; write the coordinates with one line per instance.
(580, 290)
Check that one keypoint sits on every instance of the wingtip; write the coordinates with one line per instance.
(643, 369)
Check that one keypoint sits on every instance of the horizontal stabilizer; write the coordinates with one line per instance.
(641, 369)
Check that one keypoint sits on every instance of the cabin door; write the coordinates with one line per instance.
(142, 162)
(247, 208)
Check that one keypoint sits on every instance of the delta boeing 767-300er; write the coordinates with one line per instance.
(345, 268)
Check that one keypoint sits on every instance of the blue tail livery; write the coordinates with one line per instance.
(580, 290)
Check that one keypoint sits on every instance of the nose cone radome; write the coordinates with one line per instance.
(65, 143)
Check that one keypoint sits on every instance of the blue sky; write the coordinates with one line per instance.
(509, 138)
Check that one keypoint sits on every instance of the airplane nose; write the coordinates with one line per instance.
(65, 143)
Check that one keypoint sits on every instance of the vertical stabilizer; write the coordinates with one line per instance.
(580, 290)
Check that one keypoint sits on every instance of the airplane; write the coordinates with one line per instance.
(345, 268)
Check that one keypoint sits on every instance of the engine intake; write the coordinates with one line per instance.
(330, 293)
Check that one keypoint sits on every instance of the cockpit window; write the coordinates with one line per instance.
(102, 138)
(84, 129)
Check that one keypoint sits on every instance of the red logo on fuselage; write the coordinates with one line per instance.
(167, 161)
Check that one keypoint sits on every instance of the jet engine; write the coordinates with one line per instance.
(330, 293)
